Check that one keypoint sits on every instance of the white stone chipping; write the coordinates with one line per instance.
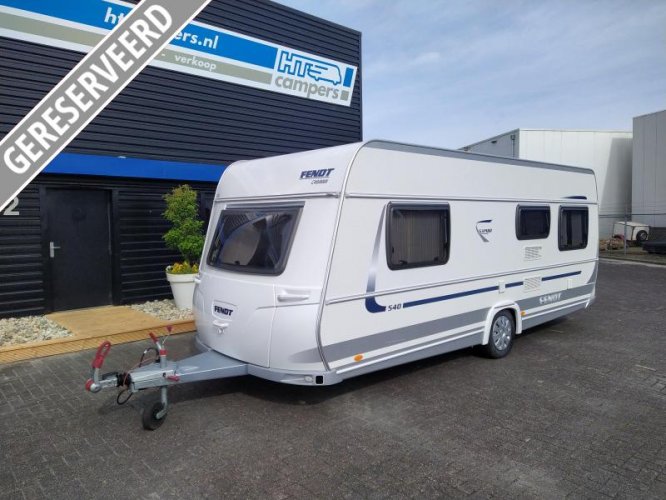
(15, 331)
(163, 309)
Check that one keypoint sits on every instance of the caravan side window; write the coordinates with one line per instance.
(417, 236)
(573, 228)
(532, 223)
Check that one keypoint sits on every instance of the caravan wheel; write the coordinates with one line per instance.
(641, 236)
(502, 333)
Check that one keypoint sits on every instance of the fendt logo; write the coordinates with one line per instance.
(482, 227)
(301, 66)
(317, 176)
(223, 310)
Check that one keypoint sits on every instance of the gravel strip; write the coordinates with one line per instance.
(14, 331)
(163, 309)
(29, 329)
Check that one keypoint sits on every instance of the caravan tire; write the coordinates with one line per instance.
(641, 237)
(502, 333)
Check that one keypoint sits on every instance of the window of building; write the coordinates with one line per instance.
(573, 228)
(532, 223)
(417, 236)
(253, 240)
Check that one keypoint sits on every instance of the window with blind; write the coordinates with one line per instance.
(573, 228)
(417, 236)
(532, 223)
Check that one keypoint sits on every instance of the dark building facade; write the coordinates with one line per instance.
(87, 231)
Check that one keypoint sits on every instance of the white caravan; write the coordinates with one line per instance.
(324, 265)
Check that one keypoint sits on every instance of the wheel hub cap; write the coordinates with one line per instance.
(501, 333)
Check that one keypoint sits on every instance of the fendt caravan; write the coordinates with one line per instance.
(323, 265)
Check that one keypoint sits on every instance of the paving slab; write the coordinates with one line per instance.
(578, 410)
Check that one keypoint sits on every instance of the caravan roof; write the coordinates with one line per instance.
(378, 164)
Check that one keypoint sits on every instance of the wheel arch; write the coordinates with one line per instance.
(502, 306)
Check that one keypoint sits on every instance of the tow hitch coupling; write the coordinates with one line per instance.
(159, 372)
(153, 372)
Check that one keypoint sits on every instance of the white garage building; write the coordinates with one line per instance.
(649, 169)
(607, 152)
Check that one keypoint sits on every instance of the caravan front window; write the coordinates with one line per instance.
(253, 240)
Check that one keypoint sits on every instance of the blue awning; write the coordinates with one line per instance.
(120, 166)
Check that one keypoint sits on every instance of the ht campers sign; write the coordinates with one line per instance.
(199, 49)
(88, 88)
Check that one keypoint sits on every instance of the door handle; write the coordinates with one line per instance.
(221, 326)
(52, 249)
(292, 297)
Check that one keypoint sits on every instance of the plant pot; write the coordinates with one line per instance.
(182, 287)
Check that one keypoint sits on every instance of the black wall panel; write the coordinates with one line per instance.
(22, 281)
(169, 115)
(137, 226)
(142, 253)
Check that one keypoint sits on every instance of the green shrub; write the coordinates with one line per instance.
(186, 234)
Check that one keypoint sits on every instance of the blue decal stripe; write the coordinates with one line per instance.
(113, 166)
(450, 296)
(372, 306)
(558, 276)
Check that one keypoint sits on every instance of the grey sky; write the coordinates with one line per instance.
(449, 73)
